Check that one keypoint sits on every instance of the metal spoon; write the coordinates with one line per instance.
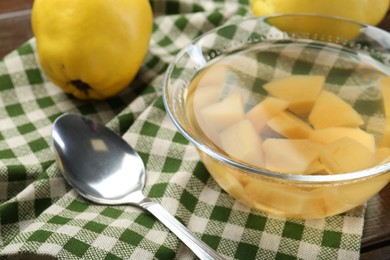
(104, 168)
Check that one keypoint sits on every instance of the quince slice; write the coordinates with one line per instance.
(266, 109)
(384, 85)
(300, 91)
(330, 110)
(346, 155)
(224, 113)
(316, 167)
(231, 185)
(290, 156)
(279, 198)
(331, 134)
(386, 133)
(202, 98)
(382, 155)
(228, 178)
(289, 125)
(215, 75)
(241, 141)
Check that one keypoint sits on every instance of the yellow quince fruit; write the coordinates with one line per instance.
(366, 11)
(92, 49)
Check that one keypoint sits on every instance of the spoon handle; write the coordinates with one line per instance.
(200, 249)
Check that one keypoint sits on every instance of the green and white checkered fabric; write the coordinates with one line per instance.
(41, 214)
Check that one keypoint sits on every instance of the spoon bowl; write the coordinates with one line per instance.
(103, 168)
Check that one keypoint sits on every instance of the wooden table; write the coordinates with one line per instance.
(15, 28)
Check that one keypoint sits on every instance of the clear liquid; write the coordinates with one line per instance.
(351, 75)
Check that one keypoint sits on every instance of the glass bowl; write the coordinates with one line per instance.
(240, 59)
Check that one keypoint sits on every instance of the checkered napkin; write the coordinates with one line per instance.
(41, 214)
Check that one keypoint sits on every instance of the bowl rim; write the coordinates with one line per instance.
(374, 171)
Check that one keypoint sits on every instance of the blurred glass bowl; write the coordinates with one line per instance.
(350, 55)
